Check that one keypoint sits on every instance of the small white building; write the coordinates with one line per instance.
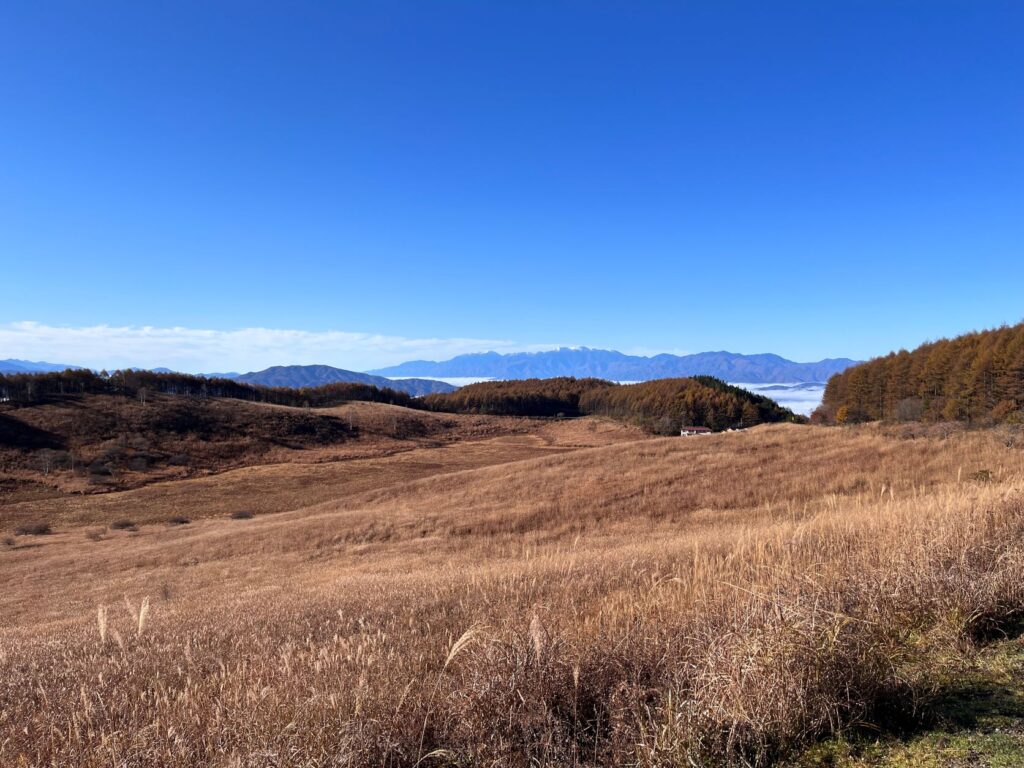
(689, 431)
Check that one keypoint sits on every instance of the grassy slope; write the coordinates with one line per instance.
(765, 575)
(246, 456)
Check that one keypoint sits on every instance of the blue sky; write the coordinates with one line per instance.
(235, 184)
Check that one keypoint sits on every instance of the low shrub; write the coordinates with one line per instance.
(34, 529)
(242, 514)
(124, 525)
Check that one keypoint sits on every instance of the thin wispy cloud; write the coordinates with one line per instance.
(242, 349)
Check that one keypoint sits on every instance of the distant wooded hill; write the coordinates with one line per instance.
(29, 366)
(290, 376)
(662, 406)
(32, 388)
(977, 377)
(616, 366)
(298, 376)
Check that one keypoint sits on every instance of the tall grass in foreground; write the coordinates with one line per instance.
(726, 644)
(740, 656)
(732, 655)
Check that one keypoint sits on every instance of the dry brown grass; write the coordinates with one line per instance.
(97, 444)
(654, 603)
(284, 479)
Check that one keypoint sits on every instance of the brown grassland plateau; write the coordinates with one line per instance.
(455, 590)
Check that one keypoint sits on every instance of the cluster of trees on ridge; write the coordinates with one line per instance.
(662, 406)
(976, 378)
(33, 388)
(558, 396)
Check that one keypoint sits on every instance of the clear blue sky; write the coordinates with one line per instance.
(813, 179)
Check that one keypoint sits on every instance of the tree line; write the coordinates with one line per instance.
(558, 396)
(33, 388)
(976, 378)
(662, 406)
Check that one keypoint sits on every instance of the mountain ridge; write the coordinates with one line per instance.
(764, 368)
(13, 365)
(298, 376)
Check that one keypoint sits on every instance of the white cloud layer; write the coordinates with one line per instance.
(197, 350)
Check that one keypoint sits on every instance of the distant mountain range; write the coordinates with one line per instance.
(229, 375)
(418, 376)
(28, 366)
(317, 375)
(616, 366)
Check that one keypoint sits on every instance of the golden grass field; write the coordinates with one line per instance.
(561, 593)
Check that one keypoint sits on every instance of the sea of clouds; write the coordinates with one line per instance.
(800, 398)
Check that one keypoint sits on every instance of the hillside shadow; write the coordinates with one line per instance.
(15, 433)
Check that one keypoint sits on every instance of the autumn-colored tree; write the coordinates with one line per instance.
(976, 378)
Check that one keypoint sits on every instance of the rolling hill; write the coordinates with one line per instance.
(663, 406)
(582, 362)
(555, 589)
(298, 376)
